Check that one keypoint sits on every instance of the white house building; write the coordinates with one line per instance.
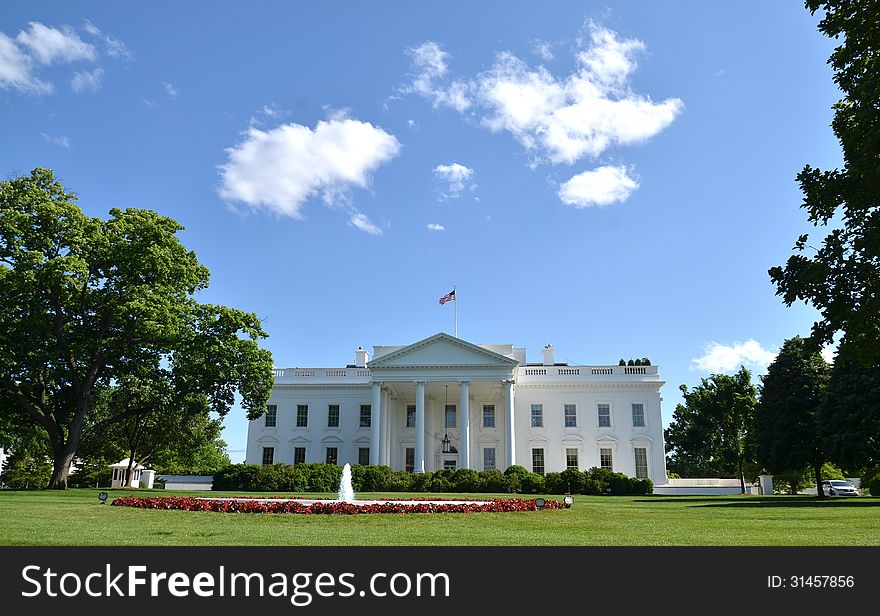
(444, 402)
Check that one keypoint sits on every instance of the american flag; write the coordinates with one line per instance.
(449, 297)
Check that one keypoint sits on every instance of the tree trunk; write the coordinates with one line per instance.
(742, 478)
(817, 468)
(61, 469)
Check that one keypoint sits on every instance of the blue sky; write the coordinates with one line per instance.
(611, 178)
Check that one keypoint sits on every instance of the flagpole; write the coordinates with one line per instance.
(456, 311)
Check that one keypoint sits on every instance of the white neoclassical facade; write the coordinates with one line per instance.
(444, 402)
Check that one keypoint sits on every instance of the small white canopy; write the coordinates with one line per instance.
(124, 464)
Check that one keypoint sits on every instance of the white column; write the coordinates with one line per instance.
(387, 419)
(375, 421)
(383, 418)
(508, 424)
(430, 428)
(420, 427)
(465, 415)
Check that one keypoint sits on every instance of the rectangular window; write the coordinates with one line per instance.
(605, 459)
(449, 465)
(332, 455)
(488, 458)
(538, 461)
(333, 416)
(302, 415)
(449, 418)
(489, 416)
(299, 455)
(571, 457)
(638, 415)
(410, 465)
(604, 415)
(641, 462)
(411, 416)
(363, 456)
(537, 415)
(366, 416)
(570, 416)
(271, 415)
(268, 456)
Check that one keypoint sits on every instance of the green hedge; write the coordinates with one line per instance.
(325, 478)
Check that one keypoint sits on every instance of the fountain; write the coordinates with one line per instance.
(346, 492)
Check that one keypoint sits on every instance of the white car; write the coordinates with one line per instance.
(838, 487)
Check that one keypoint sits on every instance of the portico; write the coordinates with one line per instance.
(432, 385)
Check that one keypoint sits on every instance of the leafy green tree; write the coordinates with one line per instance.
(708, 435)
(787, 423)
(26, 468)
(842, 277)
(851, 415)
(89, 302)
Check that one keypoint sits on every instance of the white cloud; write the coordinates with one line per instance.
(83, 81)
(15, 69)
(279, 169)
(50, 45)
(581, 115)
(170, 90)
(557, 119)
(429, 64)
(63, 141)
(600, 186)
(435, 227)
(728, 358)
(454, 178)
(364, 224)
(542, 50)
(112, 46)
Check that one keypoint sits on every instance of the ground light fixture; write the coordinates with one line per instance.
(102, 496)
(539, 503)
(568, 500)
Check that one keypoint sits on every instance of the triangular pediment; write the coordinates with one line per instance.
(442, 350)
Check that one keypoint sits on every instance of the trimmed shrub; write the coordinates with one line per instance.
(554, 484)
(466, 480)
(236, 477)
(573, 481)
(532, 483)
(493, 481)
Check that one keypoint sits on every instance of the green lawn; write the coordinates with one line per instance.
(75, 518)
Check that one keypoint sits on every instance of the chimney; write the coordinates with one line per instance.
(548, 355)
(360, 358)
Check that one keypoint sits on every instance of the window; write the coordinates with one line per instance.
(363, 456)
(570, 416)
(641, 462)
(537, 415)
(489, 416)
(302, 415)
(333, 416)
(332, 455)
(488, 458)
(411, 416)
(268, 456)
(604, 415)
(271, 415)
(366, 416)
(605, 459)
(410, 464)
(571, 457)
(449, 418)
(299, 455)
(638, 415)
(538, 461)
(449, 465)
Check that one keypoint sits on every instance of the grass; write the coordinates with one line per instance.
(74, 517)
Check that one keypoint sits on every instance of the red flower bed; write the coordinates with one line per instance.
(282, 505)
